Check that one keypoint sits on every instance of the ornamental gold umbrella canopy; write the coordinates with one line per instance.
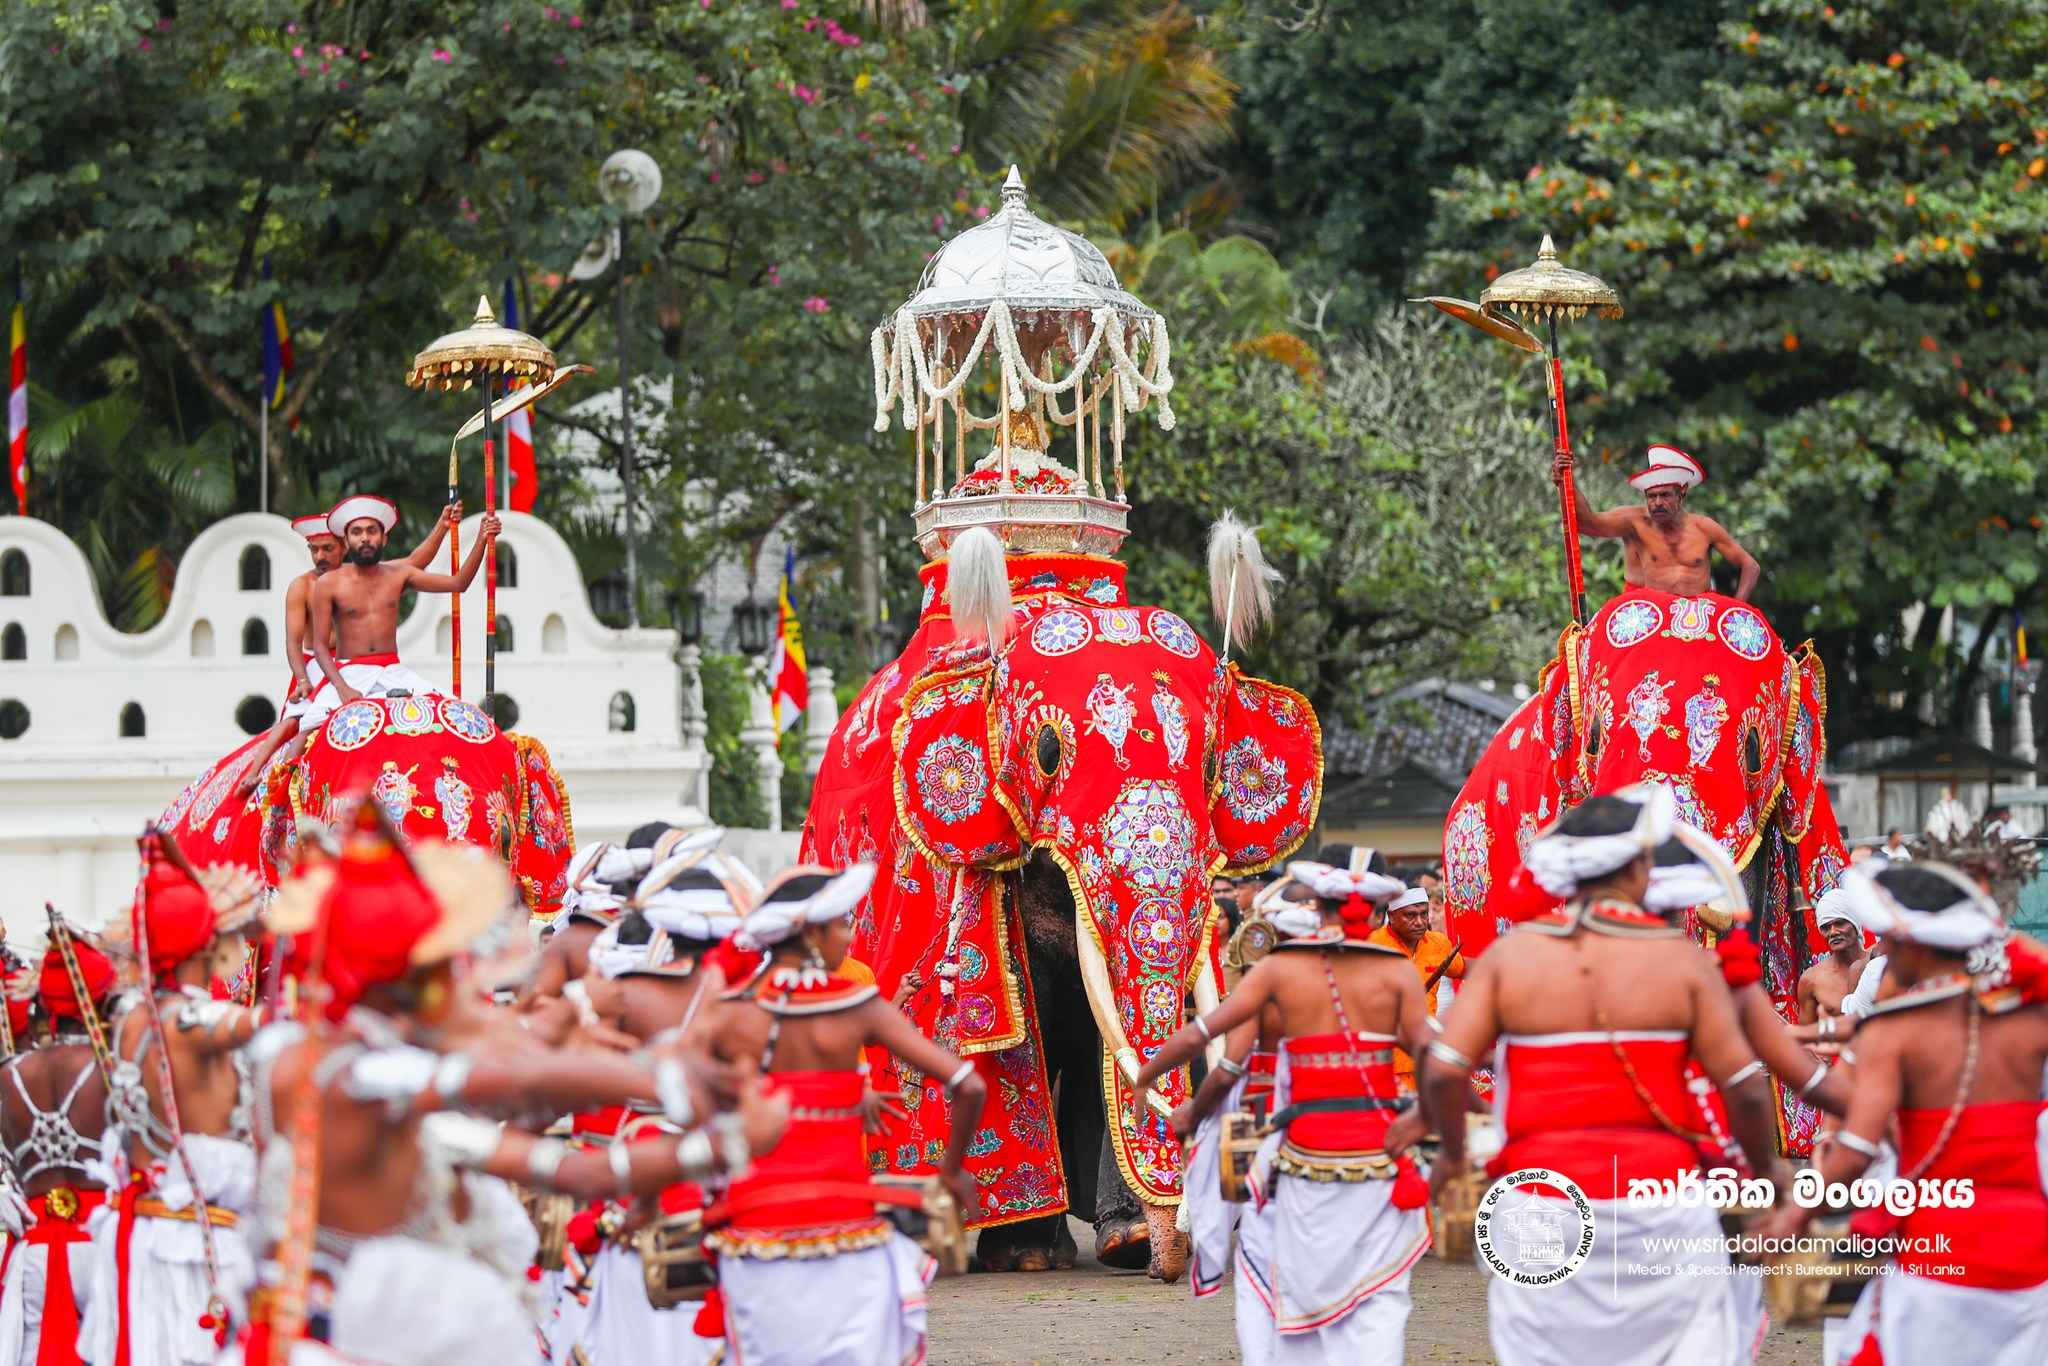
(1550, 290)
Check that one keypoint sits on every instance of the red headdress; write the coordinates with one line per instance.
(59, 999)
(179, 912)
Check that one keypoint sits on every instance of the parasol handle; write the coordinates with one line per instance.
(454, 571)
(1561, 437)
(490, 556)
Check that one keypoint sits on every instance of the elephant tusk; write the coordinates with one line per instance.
(1102, 1004)
(1207, 999)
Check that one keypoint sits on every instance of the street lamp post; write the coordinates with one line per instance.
(754, 621)
(629, 182)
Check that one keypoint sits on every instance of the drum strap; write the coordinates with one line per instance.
(803, 1192)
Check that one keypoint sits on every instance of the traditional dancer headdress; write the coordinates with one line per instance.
(382, 511)
(1357, 892)
(311, 525)
(1577, 849)
(54, 986)
(1834, 905)
(695, 896)
(1692, 869)
(595, 875)
(804, 895)
(1923, 903)
(1668, 465)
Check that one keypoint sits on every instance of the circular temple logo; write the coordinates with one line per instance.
(1527, 1234)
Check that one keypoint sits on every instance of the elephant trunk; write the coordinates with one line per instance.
(1207, 998)
(1102, 1004)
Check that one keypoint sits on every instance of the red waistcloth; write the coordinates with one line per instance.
(380, 659)
(603, 1122)
(2001, 1240)
(57, 1343)
(1363, 1066)
(1566, 1104)
(811, 1149)
(1258, 1079)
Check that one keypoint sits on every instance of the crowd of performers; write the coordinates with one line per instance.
(1603, 1044)
(370, 1119)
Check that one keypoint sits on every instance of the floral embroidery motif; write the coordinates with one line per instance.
(1802, 739)
(973, 963)
(1692, 618)
(454, 796)
(1172, 714)
(1515, 740)
(181, 805)
(1646, 708)
(1149, 837)
(952, 779)
(1061, 633)
(1744, 632)
(394, 791)
(1118, 626)
(1560, 723)
(1254, 786)
(355, 725)
(412, 716)
(1173, 634)
(548, 832)
(977, 1013)
(1706, 712)
(498, 812)
(931, 590)
(1162, 1005)
(1308, 795)
(1102, 589)
(220, 830)
(1284, 710)
(1467, 845)
(1112, 713)
(1154, 933)
(1525, 833)
(1634, 620)
(1500, 792)
(467, 721)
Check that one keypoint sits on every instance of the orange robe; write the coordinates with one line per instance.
(1428, 955)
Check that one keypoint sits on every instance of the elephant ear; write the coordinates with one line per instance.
(947, 752)
(1807, 748)
(1265, 772)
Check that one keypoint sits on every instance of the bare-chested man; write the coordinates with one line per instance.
(356, 607)
(1597, 1009)
(326, 549)
(1663, 546)
(1823, 986)
(195, 925)
(1340, 1208)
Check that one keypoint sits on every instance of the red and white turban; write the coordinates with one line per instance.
(1359, 892)
(1959, 918)
(800, 896)
(1668, 465)
(1560, 862)
(382, 511)
(311, 525)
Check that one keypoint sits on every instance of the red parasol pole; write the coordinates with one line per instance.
(490, 550)
(454, 571)
(1561, 445)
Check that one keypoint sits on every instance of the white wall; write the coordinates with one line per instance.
(74, 794)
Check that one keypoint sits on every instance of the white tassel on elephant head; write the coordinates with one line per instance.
(1240, 581)
(978, 584)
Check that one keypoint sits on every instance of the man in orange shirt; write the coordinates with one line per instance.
(1407, 929)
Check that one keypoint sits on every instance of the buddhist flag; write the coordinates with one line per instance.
(786, 661)
(17, 400)
(277, 348)
(519, 428)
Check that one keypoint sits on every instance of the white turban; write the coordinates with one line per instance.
(1668, 465)
(1414, 896)
(1701, 874)
(1295, 919)
(800, 896)
(593, 871)
(1834, 905)
(1971, 920)
(1341, 884)
(694, 895)
(1560, 862)
(613, 959)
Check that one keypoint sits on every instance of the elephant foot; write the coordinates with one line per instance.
(1125, 1245)
(1169, 1245)
(1031, 1245)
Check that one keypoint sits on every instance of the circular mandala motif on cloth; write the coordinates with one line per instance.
(356, 724)
(1118, 626)
(1154, 933)
(467, 721)
(1060, 633)
(1632, 621)
(977, 1013)
(1173, 634)
(1162, 1004)
(1150, 836)
(1744, 632)
(973, 963)
(412, 716)
(1467, 845)
(952, 780)
(1254, 786)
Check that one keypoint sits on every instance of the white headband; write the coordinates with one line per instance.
(1834, 905)
(1341, 884)
(1707, 877)
(613, 959)
(1559, 862)
(1295, 919)
(593, 871)
(1414, 896)
(693, 895)
(1970, 921)
(800, 896)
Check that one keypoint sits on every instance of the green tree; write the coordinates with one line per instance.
(1832, 262)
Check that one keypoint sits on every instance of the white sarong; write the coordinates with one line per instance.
(403, 1302)
(1211, 1219)
(862, 1308)
(1936, 1321)
(622, 1326)
(168, 1290)
(371, 680)
(1685, 1315)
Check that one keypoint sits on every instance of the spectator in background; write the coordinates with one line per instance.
(1998, 824)
(1948, 820)
(1895, 847)
(1432, 882)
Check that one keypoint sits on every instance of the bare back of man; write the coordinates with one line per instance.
(370, 1164)
(47, 1075)
(202, 1065)
(1663, 546)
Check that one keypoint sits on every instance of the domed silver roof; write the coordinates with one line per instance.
(1018, 257)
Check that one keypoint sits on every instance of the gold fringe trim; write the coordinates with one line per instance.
(801, 1244)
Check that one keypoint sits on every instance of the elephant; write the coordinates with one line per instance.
(441, 769)
(1696, 693)
(1047, 807)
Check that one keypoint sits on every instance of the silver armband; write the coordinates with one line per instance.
(620, 1158)
(1820, 1070)
(733, 1150)
(1743, 1074)
(1202, 1027)
(203, 1014)
(1855, 1143)
(673, 1089)
(1232, 1068)
(544, 1159)
(1436, 1026)
(452, 1075)
(697, 1156)
(960, 1074)
(1449, 1056)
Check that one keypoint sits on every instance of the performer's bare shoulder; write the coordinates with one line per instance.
(1663, 546)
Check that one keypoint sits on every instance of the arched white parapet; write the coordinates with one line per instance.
(74, 792)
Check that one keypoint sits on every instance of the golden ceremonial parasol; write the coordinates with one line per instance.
(490, 352)
(1548, 290)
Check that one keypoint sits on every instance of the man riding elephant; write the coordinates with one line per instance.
(1662, 545)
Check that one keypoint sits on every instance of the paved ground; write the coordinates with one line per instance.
(1093, 1315)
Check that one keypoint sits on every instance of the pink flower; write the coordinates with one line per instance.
(775, 275)
(442, 54)
(576, 20)
(981, 211)
(341, 84)
(810, 25)
(789, 4)
(755, 177)
(508, 26)
(323, 68)
(291, 28)
(816, 304)
(364, 55)
(938, 222)
(163, 26)
(144, 45)
(715, 177)
(299, 51)
(551, 14)
(806, 94)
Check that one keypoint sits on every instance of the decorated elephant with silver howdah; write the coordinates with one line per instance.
(441, 769)
(1047, 814)
(1696, 693)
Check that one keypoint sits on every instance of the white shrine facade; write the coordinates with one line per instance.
(99, 729)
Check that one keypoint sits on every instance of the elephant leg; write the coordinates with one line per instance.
(1130, 1233)
(1028, 1245)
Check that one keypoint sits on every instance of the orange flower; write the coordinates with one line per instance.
(2005, 425)
(1741, 220)
(2037, 166)
(1912, 198)
(1928, 344)
(1896, 60)
(1791, 342)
